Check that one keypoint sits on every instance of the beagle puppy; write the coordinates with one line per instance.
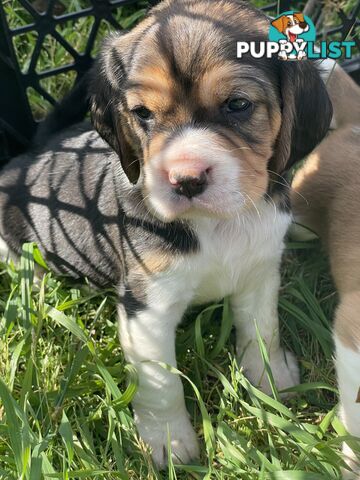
(184, 200)
(325, 198)
(291, 25)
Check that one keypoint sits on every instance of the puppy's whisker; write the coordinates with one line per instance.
(289, 186)
(271, 200)
(253, 203)
(301, 196)
(280, 176)
(286, 185)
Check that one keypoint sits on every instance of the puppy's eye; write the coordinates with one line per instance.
(142, 113)
(235, 105)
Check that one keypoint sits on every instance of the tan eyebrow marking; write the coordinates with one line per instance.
(152, 78)
(153, 87)
(223, 80)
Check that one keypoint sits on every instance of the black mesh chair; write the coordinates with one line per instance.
(17, 121)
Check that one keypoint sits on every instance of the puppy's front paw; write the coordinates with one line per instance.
(284, 368)
(183, 441)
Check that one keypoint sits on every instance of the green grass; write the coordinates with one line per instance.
(52, 54)
(64, 410)
(64, 398)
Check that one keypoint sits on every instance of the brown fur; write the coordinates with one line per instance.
(330, 205)
(347, 320)
(345, 97)
(325, 198)
(152, 262)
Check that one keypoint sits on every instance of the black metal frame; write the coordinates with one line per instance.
(17, 125)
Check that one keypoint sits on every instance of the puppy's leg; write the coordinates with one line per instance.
(148, 335)
(259, 303)
(347, 343)
(5, 253)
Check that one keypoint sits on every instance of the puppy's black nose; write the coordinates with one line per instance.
(302, 24)
(190, 186)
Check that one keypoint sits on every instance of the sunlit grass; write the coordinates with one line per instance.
(65, 399)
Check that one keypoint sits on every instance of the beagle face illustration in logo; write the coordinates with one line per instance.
(291, 25)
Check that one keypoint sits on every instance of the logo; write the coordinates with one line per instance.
(292, 36)
(292, 31)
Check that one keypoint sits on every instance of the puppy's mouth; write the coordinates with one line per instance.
(173, 206)
(215, 192)
(295, 31)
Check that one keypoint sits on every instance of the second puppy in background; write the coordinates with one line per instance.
(326, 199)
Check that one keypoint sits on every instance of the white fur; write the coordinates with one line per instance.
(238, 257)
(348, 373)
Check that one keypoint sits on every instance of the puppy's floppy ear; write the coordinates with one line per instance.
(280, 23)
(107, 103)
(306, 114)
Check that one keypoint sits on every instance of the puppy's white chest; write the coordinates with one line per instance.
(232, 257)
(233, 253)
